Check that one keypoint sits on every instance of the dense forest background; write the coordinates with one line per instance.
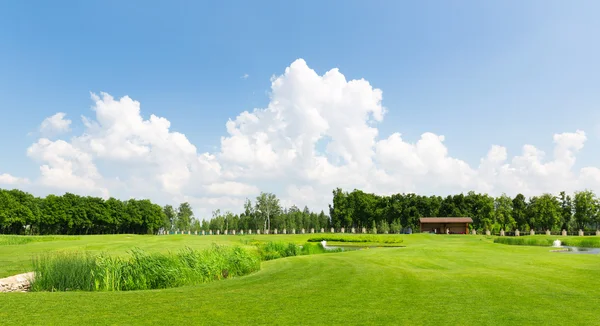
(23, 213)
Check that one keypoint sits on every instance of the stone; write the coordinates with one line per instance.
(447, 231)
(249, 231)
(343, 230)
(332, 230)
(267, 231)
(487, 232)
(353, 230)
(202, 232)
(218, 232)
(232, 232)
(189, 232)
(275, 232)
(257, 231)
(210, 232)
(364, 230)
(195, 232)
(548, 232)
(284, 231)
(241, 232)
(322, 230)
(517, 233)
(501, 233)
(293, 231)
(474, 232)
(225, 232)
(312, 230)
(16, 283)
(598, 233)
(564, 233)
(531, 232)
(303, 231)
(581, 233)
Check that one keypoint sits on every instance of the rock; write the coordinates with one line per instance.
(16, 283)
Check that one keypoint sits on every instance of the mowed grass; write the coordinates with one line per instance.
(434, 280)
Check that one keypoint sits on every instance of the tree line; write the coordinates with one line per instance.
(23, 213)
(400, 211)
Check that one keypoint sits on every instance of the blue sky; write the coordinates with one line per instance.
(507, 73)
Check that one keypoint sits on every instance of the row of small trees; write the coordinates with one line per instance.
(544, 212)
(266, 213)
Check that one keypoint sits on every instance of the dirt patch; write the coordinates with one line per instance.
(16, 283)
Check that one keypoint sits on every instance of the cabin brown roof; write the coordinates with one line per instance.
(446, 220)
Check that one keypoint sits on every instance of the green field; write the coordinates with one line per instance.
(434, 279)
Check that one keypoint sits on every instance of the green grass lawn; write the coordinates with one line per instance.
(434, 279)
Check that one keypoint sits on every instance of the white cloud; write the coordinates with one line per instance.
(245, 76)
(7, 179)
(232, 188)
(318, 132)
(55, 125)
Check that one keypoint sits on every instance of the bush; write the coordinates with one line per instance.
(10, 240)
(524, 241)
(140, 271)
(275, 250)
(358, 238)
(586, 242)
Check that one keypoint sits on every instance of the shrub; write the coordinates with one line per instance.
(10, 240)
(524, 241)
(586, 242)
(275, 250)
(358, 238)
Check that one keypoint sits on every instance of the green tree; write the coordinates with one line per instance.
(170, 217)
(396, 226)
(548, 210)
(267, 205)
(566, 210)
(504, 211)
(184, 216)
(520, 211)
(586, 208)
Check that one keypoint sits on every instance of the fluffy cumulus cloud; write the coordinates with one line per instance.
(318, 132)
(55, 125)
(9, 180)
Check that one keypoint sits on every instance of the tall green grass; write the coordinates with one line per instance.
(275, 250)
(524, 241)
(141, 270)
(11, 240)
(586, 242)
(358, 238)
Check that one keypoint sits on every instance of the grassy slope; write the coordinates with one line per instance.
(436, 279)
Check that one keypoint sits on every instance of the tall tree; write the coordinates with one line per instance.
(170, 217)
(504, 211)
(586, 208)
(548, 210)
(184, 216)
(520, 211)
(566, 210)
(267, 204)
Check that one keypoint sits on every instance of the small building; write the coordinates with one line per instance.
(455, 225)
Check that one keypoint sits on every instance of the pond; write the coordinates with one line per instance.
(579, 250)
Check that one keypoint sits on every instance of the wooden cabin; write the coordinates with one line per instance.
(454, 225)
